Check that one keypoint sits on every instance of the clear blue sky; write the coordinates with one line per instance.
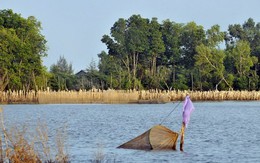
(74, 29)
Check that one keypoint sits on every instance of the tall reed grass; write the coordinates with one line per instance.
(13, 97)
(17, 145)
(122, 96)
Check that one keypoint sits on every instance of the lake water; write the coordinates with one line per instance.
(217, 132)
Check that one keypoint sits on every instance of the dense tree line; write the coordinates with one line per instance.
(141, 54)
(144, 54)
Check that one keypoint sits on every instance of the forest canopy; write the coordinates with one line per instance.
(146, 54)
(141, 54)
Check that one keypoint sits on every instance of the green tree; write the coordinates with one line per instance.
(22, 48)
(151, 55)
(128, 41)
(62, 75)
(243, 62)
(113, 74)
(117, 56)
(171, 34)
(250, 32)
(136, 43)
(210, 64)
(156, 44)
(192, 35)
(210, 59)
(8, 46)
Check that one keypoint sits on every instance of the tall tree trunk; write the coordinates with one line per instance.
(111, 79)
(127, 65)
(174, 74)
(191, 75)
(153, 65)
(34, 82)
(134, 68)
(120, 80)
(135, 63)
(128, 70)
(4, 80)
(200, 81)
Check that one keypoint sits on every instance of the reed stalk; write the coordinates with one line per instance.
(122, 96)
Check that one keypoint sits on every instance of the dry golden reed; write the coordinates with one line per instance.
(13, 97)
(16, 147)
(122, 96)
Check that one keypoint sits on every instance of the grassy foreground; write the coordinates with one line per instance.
(122, 96)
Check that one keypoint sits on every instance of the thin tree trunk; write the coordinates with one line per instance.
(111, 84)
(153, 65)
(127, 65)
(200, 83)
(191, 81)
(135, 62)
(34, 82)
(174, 74)
(4, 81)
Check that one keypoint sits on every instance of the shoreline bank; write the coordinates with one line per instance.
(122, 96)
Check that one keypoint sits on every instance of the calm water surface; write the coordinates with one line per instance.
(217, 132)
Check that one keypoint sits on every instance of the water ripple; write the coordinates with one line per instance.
(218, 131)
